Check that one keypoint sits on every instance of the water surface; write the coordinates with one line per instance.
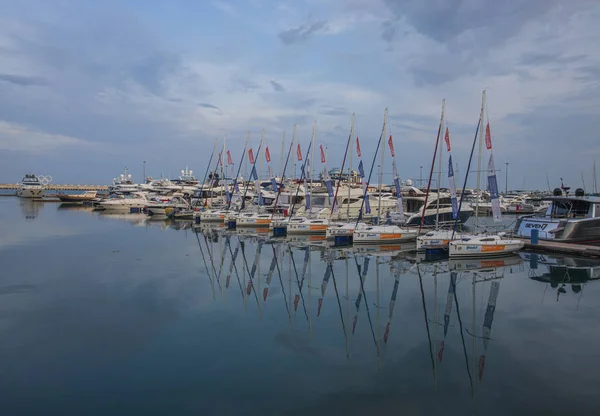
(115, 314)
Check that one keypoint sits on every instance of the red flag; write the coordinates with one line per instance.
(265, 293)
(447, 139)
(299, 152)
(354, 323)
(267, 154)
(481, 365)
(488, 137)
(219, 161)
(322, 154)
(249, 290)
(229, 161)
(320, 303)
(441, 352)
(296, 300)
(251, 156)
(391, 143)
(227, 281)
(357, 147)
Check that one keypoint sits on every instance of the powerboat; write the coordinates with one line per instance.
(163, 208)
(124, 202)
(87, 196)
(568, 219)
(31, 187)
(123, 183)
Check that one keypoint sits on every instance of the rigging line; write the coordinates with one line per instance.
(298, 282)
(210, 256)
(337, 295)
(466, 178)
(426, 320)
(235, 268)
(248, 270)
(362, 288)
(287, 307)
(362, 204)
(203, 257)
(462, 335)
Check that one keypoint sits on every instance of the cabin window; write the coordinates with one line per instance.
(487, 239)
(597, 214)
(570, 208)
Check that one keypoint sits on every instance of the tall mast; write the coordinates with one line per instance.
(384, 134)
(246, 160)
(481, 129)
(312, 165)
(282, 154)
(350, 170)
(595, 181)
(260, 163)
(439, 176)
(223, 182)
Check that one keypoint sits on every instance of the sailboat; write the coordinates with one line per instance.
(378, 234)
(484, 245)
(440, 238)
(310, 225)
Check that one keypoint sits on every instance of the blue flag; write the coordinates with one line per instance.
(253, 174)
(361, 170)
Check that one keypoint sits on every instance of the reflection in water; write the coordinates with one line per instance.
(30, 208)
(323, 330)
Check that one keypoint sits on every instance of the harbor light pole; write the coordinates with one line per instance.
(144, 171)
(421, 177)
(506, 181)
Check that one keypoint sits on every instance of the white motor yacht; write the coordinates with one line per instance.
(31, 187)
(124, 202)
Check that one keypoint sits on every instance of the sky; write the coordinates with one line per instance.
(89, 87)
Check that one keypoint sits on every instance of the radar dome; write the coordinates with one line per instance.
(408, 182)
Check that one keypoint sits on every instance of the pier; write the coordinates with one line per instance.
(51, 187)
(563, 248)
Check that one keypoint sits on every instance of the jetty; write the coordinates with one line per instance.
(54, 187)
(563, 248)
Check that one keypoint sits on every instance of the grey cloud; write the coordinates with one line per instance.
(589, 73)
(301, 33)
(24, 80)
(244, 85)
(277, 86)
(443, 21)
(537, 58)
(334, 111)
(207, 105)
(150, 71)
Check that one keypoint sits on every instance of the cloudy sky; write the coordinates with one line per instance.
(87, 87)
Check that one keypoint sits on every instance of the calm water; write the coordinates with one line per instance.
(113, 314)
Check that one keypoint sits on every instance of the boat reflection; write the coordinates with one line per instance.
(30, 208)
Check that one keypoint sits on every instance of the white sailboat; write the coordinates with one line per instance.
(378, 234)
(481, 245)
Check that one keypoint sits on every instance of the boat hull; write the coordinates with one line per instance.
(578, 231)
(467, 249)
(383, 237)
(30, 192)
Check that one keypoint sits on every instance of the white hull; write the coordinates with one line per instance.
(30, 192)
(213, 216)
(308, 227)
(121, 207)
(486, 246)
(343, 229)
(383, 235)
(257, 220)
(439, 239)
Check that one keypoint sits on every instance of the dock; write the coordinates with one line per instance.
(563, 248)
(51, 187)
